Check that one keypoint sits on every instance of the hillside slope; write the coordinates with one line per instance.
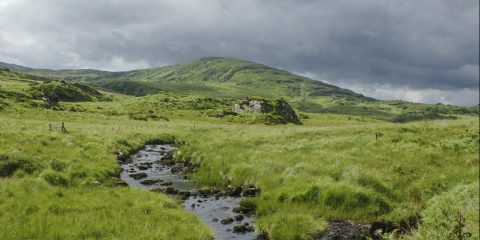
(227, 77)
(29, 90)
(217, 75)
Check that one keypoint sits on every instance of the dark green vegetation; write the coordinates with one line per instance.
(332, 167)
(67, 92)
(24, 87)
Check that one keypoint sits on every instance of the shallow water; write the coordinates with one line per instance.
(207, 209)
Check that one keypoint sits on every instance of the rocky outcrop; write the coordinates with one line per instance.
(50, 101)
(279, 110)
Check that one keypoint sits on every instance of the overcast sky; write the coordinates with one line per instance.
(422, 50)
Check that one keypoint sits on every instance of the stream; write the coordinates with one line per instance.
(153, 168)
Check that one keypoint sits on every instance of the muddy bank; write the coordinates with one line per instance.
(344, 230)
(153, 168)
(338, 230)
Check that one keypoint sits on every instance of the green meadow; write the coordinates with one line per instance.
(363, 166)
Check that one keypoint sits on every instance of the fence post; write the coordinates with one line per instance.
(63, 127)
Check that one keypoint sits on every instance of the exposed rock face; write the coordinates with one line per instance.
(253, 106)
(50, 101)
(280, 109)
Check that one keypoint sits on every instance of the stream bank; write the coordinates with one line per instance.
(153, 168)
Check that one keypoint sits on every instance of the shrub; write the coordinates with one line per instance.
(58, 165)
(9, 165)
(146, 117)
(55, 178)
(418, 116)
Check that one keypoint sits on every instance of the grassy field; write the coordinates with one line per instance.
(58, 185)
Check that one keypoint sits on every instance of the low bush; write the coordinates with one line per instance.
(58, 165)
(8, 165)
(418, 116)
(55, 178)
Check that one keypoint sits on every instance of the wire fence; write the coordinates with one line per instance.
(77, 127)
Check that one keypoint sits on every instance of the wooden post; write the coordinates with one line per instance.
(50, 126)
(63, 127)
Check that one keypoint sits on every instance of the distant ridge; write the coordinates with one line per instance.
(13, 66)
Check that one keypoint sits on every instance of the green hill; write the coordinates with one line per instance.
(209, 76)
(68, 92)
(233, 78)
(25, 88)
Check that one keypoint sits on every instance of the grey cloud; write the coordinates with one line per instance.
(424, 45)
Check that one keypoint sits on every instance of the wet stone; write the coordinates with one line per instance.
(184, 195)
(151, 182)
(142, 167)
(171, 191)
(227, 220)
(138, 176)
(207, 192)
(250, 192)
(243, 228)
(233, 191)
(244, 209)
(166, 183)
(176, 169)
(168, 157)
(239, 217)
(168, 162)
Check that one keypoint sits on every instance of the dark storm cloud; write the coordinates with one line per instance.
(400, 46)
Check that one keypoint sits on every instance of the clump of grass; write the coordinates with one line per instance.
(451, 215)
(55, 178)
(58, 165)
(8, 165)
(293, 225)
(32, 209)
